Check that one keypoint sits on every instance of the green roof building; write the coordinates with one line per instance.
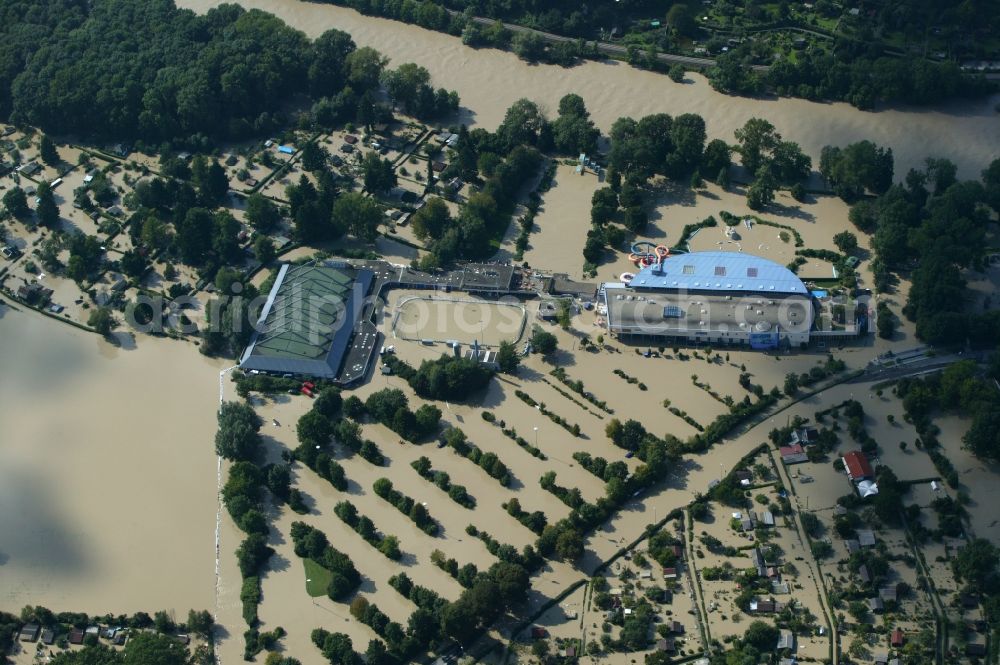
(307, 323)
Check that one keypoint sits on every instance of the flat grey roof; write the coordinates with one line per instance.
(684, 313)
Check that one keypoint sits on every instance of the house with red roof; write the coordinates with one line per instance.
(857, 465)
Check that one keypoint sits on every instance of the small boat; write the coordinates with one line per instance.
(275, 422)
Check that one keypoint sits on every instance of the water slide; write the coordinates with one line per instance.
(645, 253)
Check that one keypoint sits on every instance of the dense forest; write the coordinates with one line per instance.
(145, 71)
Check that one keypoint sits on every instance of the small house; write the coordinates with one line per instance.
(666, 645)
(786, 640)
(762, 606)
(758, 562)
(29, 169)
(863, 573)
(852, 545)
(669, 573)
(538, 633)
(793, 454)
(974, 650)
(29, 633)
(896, 639)
(876, 605)
(75, 636)
(676, 627)
(969, 601)
(888, 593)
(437, 166)
(350, 139)
(882, 659)
(743, 474)
(34, 293)
(866, 538)
(804, 436)
(48, 636)
(857, 465)
(767, 518)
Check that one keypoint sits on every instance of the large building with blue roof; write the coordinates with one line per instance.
(713, 298)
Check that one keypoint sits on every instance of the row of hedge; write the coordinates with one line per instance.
(442, 480)
(387, 545)
(404, 504)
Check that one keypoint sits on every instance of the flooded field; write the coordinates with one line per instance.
(107, 471)
(459, 318)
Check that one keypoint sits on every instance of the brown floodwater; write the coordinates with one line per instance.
(107, 471)
(488, 81)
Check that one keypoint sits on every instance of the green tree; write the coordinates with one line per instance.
(574, 132)
(313, 156)
(237, 437)
(16, 203)
(364, 68)
(528, 46)
(47, 151)
(359, 214)
(379, 175)
(263, 250)
(976, 563)
(508, 358)
(101, 320)
(544, 342)
(261, 212)
(680, 19)
(760, 194)
(253, 553)
(846, 242)
(757, 140)
(194, 235)
(983, 436)
(405, 83)
(210, 179)
(225, 237)
(569, 545)
(46, 208)
(761, 636)
(133, 263)
(432, 220)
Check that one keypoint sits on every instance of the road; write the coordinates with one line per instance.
(610, 49)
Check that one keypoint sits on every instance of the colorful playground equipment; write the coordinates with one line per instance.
(626, 277)
(645, 253)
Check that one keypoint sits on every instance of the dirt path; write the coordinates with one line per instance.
(810, 561)
(692, 578)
